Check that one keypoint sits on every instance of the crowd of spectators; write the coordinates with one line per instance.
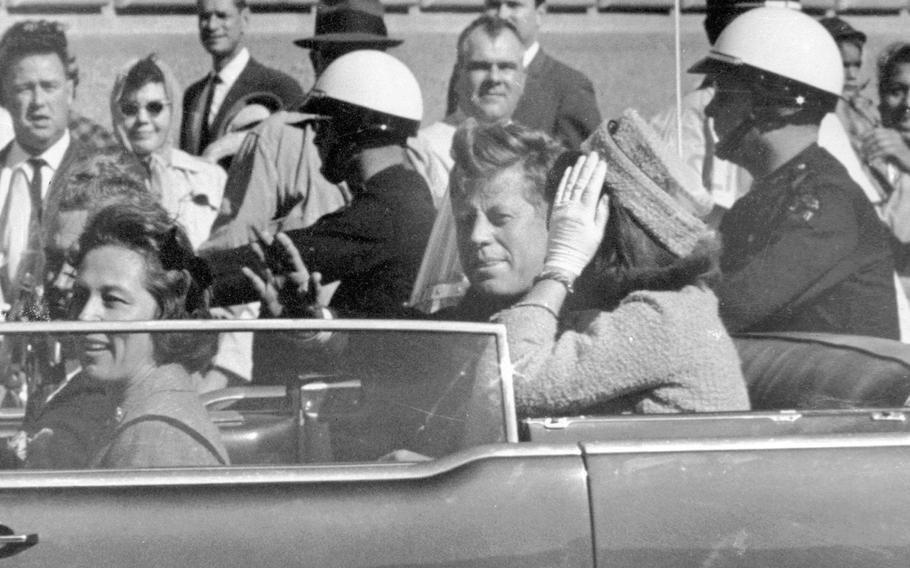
(618, 268)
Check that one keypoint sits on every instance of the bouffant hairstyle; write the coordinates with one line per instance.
(175, 277)
(630, 258)
(482, 150)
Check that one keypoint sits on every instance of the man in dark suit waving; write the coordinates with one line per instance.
(234, 76)
(557, 98)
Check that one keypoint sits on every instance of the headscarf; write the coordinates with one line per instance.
(159, 161)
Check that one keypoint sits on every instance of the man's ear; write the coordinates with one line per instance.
(71, 92)
(245, 17)
(539, 12)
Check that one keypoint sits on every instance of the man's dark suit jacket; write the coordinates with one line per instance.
(557, 99)
(255, 78)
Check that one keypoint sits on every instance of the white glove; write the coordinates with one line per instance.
(579, 217)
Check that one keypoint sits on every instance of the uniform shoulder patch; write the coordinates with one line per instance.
(804, 206)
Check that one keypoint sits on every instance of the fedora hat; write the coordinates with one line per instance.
(349, 21)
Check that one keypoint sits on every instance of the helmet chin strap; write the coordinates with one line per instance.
(338, 165)
(763, 119)
(726, 147)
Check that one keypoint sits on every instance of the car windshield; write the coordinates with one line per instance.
(328, 392)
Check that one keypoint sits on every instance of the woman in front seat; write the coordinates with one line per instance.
(136, 263)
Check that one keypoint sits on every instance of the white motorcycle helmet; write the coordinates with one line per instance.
(371, 98)
(370, 87)
(790, 57)
(790, 63)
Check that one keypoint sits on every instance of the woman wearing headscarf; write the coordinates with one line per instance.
(145, 105)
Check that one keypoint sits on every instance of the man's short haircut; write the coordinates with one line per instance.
(483, 150)
(492, 26)
(35, 37)
(897, 53)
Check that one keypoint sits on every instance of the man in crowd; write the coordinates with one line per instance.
(274, 180)
(490, 80)
(371, 104)
(727, 182)
(804, 250)
(373, 247)
(67, 415)
(557, 99)
(235, 75)
(275, 174)
(37, 90)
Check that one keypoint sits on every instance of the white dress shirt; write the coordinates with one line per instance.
(227, 77)
(530, 53)
(15, 214)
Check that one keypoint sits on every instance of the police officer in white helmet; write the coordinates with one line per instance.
(804, 250)
(369, 104)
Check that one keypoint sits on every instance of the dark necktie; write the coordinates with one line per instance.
(205, 133)
(34, 188)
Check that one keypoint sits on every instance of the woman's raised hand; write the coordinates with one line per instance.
(286, 287)
(579, 216)
(887, 144)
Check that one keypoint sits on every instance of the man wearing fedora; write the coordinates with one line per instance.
(235, 75)
(275, 174)
(274, 180)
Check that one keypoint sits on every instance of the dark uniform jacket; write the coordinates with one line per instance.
(557, 100)
(373, 246)
(255, 78)
(805, 251)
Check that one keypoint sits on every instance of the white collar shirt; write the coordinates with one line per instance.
(530, 54)
(227, 77)
(17, 158)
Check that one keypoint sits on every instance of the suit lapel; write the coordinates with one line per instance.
(532, 109)
(73, 152)
(535, 69)
(196, 106)
(246, 82)
(4, 153)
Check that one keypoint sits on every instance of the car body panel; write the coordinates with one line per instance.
(491, 506)
(819, 488)
(773, 488)
(735, 505)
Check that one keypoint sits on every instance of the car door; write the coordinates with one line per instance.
(474, 498)
(816, 488)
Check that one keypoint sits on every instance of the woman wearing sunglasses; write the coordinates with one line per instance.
(145, 107)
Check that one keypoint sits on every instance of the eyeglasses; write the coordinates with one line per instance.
(154, 108)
